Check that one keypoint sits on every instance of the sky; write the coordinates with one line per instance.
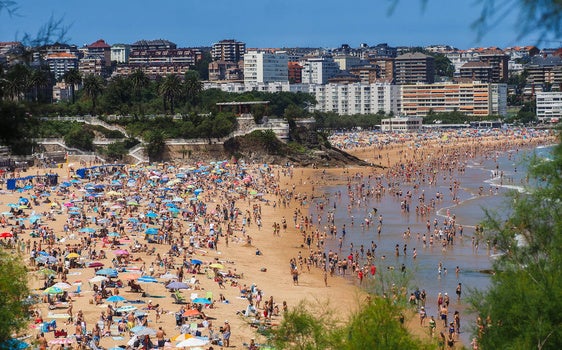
(266, 23)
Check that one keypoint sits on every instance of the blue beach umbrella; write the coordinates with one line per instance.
(88, 230)
(151, 214)
(107, 272)
(151, 231)
(147, 279)
(203, 301)
(115, 299)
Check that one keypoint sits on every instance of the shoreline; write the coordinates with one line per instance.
(276, 251)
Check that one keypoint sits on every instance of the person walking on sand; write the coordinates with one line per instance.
(226, 334)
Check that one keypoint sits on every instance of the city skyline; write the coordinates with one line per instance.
(325, 24)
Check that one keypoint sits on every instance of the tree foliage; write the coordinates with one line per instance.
(376, 325)
(521, 309)
(13, 292)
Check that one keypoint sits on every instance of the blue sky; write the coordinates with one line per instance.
(265, 23)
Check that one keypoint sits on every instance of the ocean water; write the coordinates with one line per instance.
(484, 185)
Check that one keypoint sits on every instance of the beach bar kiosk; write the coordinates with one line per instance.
(403, 124)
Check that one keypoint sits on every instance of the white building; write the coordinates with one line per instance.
(120, 53)
(263, 67)
(549, 105)
(356, 98)
(402, 124)
(344, 99)
(317, 70)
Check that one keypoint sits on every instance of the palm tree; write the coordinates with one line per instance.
(139, 81)
(170, 89)
(17, 81)
(93, 87)
(73, 78)
(40, 78)
(192, 86)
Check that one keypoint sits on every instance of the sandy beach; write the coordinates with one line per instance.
(212, 226)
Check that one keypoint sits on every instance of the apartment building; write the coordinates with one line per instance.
(318, 70)
(549, 105)
(295, 72)
(473, 99)
(101, 49)
(224, 70)
(477, 71)
(120, 53)
(412, 68)
(228, 50)
(545, 71)
(61, 62)
(344, 99)
(356, 98)
(265, 67)
(159, 44)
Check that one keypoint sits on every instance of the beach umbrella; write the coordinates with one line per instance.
(95, 264)
(73, 256)
(14, 344)
(151, 231)
(46, 259)
(97, 279)
(34, 218)
(136, 329)
(191, 313)
(88, 230)
(53, 290)
(203, 301)
(147, 279)
(47, 272)
(62, 285)
(151, 214)
(146, 331)
(114, 234)
(192, 342)
(177, 285)
(6, 235)
(169, 276)
(107, 272)
(177, 199)
(126, 308)
(133, 220)
(121, 252)
(62, 341)
(217, 266)
(181, 337)
(115, 299)
(129, 276)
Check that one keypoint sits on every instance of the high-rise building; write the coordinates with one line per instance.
(356, 98)
(101, 49)
(120, 53)
(477, 71)
(317, 70)
(499, 63)
(61, 62)
(549, 105)
(295, 73)
(264, 67)
(159, 44)
(228, 50)
(412, 68)
(473, 99)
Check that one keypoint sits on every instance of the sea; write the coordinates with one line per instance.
(484, 186)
